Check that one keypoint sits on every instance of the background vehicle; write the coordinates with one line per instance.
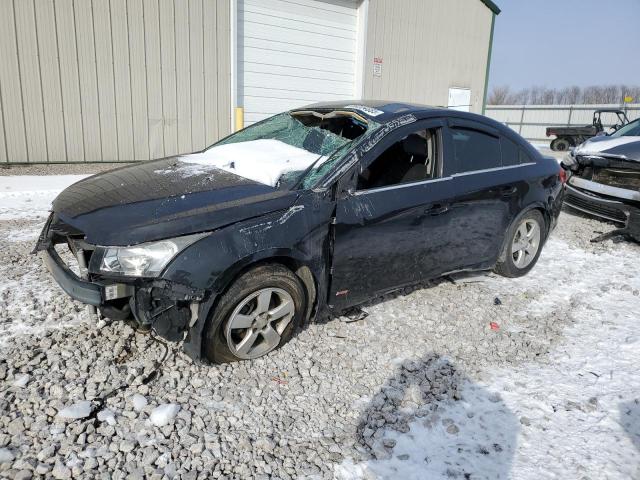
(605, 178)
(567, 137)
(237, 246)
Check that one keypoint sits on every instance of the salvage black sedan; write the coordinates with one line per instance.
(305, 213)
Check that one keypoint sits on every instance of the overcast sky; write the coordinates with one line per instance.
(557, 43)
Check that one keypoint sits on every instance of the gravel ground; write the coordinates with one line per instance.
(326, 398)
(57, 168)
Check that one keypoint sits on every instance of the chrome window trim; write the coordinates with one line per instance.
(401, 185)
(494, 169)
(433, 180)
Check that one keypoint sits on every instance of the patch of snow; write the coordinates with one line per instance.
(263, 161)
(79, 409)
(139, 402)
(6, 455)
(21, 381)
(575, 414)
(25, 234)
(30, 196)
(106, 415)
(163, 414)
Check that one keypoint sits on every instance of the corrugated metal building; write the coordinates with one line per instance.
(122, 80)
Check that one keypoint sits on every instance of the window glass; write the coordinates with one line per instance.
(475, 150)
(411, 159)
(524, 157)
(510, 152)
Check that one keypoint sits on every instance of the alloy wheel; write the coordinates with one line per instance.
(526, 243)
(256, 325)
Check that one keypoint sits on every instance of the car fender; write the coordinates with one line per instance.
(298, 235)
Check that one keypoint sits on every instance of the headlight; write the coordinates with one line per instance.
(143, 260)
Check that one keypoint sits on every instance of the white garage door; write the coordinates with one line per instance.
(294, 52)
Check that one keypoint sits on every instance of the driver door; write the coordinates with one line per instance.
(392, 216)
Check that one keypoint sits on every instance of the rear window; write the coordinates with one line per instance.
(475, 150)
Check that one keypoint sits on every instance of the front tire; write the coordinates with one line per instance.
(523, 246)
(258, 314)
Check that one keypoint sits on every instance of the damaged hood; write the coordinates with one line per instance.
(617, 147)
(155, 200)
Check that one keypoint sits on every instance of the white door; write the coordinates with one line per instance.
(292, 53)
(459, 99)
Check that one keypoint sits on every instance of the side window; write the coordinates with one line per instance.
(510, 152)
(411, 159)
(474, 150)
(524, 157)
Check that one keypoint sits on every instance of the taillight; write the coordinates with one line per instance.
(563, 175)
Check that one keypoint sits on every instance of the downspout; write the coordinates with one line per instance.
(486, 75)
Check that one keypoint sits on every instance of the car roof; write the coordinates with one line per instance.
(384, 111)
(380, 111)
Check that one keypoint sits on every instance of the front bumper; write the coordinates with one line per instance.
(85, 292)
(592, 204)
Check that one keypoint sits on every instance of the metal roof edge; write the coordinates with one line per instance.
(492, 6)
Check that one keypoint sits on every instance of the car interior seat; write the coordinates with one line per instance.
(416, 147)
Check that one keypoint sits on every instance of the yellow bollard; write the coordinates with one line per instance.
(239, 118)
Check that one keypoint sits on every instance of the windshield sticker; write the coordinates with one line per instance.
(372, 112)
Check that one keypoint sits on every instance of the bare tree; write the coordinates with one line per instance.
(499, 95)
(573, 95)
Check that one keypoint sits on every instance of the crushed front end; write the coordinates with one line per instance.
(605, 186)
(93, 275)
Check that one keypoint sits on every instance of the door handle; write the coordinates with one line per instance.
(508, 190)
(436, 209)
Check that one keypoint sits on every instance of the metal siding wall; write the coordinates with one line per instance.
(88, 80)
(10, 87)
(112, 80)
(153, 78)
(427, 46)
(168, 77)
(105, 80)
(223, 77)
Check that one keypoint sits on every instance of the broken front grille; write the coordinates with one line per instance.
(621, 178)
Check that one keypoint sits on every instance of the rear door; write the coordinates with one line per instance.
(391, 235)
(488, 192)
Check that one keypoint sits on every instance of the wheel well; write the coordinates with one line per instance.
(547, 220)
(302, 271)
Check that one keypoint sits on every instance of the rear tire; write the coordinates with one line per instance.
(523, 245)
(560, 145)
(258, 314)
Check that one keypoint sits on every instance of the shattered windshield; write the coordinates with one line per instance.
(282, 149)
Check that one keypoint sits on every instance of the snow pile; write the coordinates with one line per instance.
(163, 414)
(263, 161)
(30, 196)
(79, 409)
